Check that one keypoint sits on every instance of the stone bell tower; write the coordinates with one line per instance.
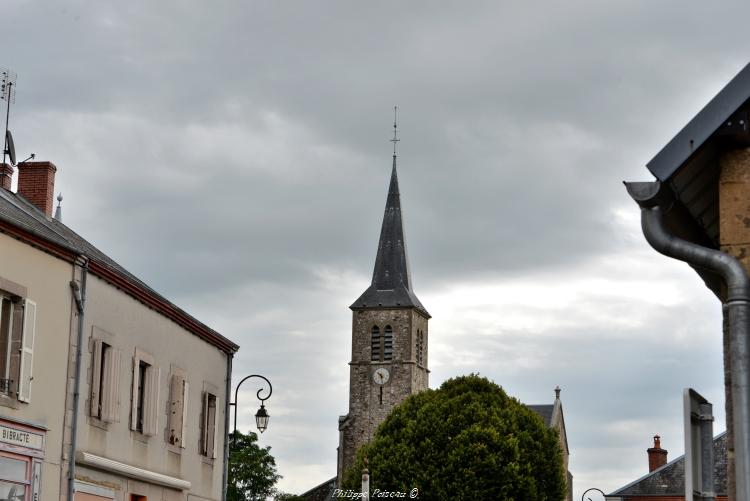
(389, 338)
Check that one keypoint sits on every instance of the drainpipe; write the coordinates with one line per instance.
(228, 397)
(653, 204)
(79, 295)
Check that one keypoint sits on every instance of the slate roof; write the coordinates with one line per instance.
(669, 480)
(18, 212)
(391, 279)
(545, 411)
(322, 492)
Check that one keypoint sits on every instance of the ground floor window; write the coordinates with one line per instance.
(15, 475)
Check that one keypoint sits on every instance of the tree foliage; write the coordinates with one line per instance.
(466, 440)
(252, 469)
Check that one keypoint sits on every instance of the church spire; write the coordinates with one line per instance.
(391, 278)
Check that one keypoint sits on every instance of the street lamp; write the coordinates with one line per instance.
(261, 417)
(592, 489)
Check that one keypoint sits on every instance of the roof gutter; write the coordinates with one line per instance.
(79, 296)
(225, 455)
(654, 202)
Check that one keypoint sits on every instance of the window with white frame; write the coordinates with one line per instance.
(105, 381)
(209, 429)
(17, 332)
(15, 471)
(144, 409)
(178, 398)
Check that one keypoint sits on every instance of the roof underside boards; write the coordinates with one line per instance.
(19, 213)
(391, 278)
(669, 480)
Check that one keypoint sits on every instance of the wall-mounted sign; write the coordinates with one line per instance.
(21, 437)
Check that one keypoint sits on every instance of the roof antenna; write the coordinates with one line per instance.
(395, 138)
(7, 93)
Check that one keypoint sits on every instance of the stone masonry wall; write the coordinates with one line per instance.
(366, 410)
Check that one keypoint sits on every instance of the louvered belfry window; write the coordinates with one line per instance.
(420, 347)
(388, 343)
(375, 349)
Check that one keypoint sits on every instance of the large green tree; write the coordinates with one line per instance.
(252, 469)
(468, 440)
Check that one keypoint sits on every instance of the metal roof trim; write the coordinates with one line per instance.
(700, 128)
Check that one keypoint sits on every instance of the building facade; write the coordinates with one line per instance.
(139, 412)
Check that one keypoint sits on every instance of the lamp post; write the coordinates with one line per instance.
(261, 417)
(592, 489)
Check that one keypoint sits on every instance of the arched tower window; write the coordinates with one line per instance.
(375, 351)
(388, 343)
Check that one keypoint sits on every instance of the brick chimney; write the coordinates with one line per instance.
(657, 456)
(36, 182)
(6, 175)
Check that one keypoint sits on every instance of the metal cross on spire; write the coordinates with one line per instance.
(395, 131)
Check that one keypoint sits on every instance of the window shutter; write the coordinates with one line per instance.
(176, 409)
(110, 386)
(215, 437)
(134, 396)
(204, 427)
(96, 371)
(27, 351)
(183, 433)
(151, 401)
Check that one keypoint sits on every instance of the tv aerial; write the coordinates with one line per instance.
(8, 94)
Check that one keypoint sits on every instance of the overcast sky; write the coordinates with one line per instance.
(235, 156)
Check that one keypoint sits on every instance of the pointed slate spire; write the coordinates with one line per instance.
(391, 279)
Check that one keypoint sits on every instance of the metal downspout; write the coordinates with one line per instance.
(79, 294)
(737, 306)
(225, 473)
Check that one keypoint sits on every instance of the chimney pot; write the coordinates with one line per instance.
(657, 457)
(36, 182)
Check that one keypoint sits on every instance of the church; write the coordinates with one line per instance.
(389, 358)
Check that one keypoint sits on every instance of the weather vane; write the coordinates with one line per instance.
(395, 138)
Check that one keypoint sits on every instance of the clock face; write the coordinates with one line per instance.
(381, 375)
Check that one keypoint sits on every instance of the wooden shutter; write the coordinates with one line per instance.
(204, 425)
(183, 433)
(96, 371)
(177, 409)
(216, 427)
(210, 430)
(110, 385)
(27, 351)
(151, 401)
(134, 395)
